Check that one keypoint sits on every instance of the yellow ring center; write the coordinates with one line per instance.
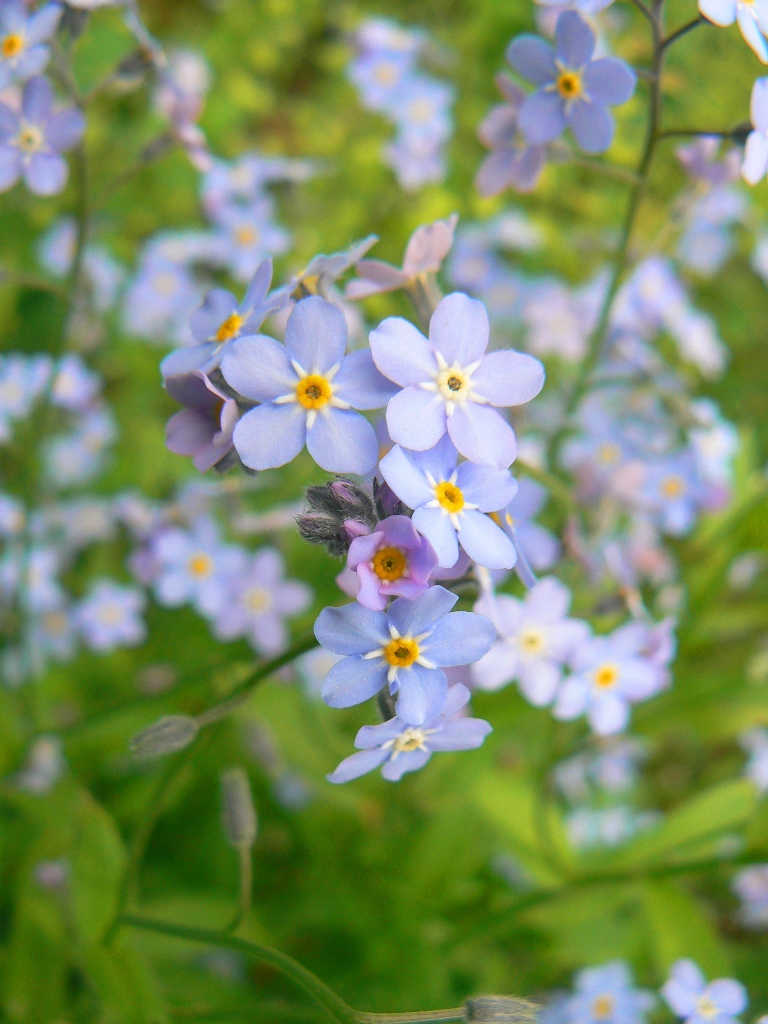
(569, 85)
(230, 328)
(314, 391)
(401, 653)
(12, 45)
(606, 676)
(389, 564)
(449, 497)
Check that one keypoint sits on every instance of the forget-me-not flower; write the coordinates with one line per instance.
(538, 545)
(573, 89)
(755, 165)
(427, 248)
(32, 141)
(607, 995)
(392, 561)
(449, 383)
(23, 36)
(110, 617)
(536, 639)
(407, 647)
(450, 502)
(514, 161)
(203, 428)
(691, 998)
(752, 16)
(74, 385)
(751, 886)
(398, 748)
(309, 391)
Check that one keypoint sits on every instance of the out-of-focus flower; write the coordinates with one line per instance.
(691, 998)
(560, 320)
(751, 886)
(103, 274)
(31, 142)
(22, 381)
(392, 561)
(673, 493)
(310, 393)
(45, 766)
(23, 36)
(427, 248)
(75, 458)
(159, 301)
(514, 162)
(110, 617)
(242, 181)
(593, 827)
(449, 382)
(536, 639)
(607, 995)
(574, 90)
(13, 516)
(405, 647)
(755, 743)
(246, 235)
(31, 577)
(755, 164)
(752, 18)
(184, 82)
(539, 546)
(258, 602)
(398, 747)
(74, 385)
(450, 503)
(203, 428)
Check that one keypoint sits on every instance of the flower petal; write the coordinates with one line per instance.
(413, 617)
(351, 630)
(532, 59)
(258, 368)
(217, 306)
(460, 638)
(508, 378)
(46, 174)
(437, 528)
(401, 352)
(416, 418)
(37, 100)
(609, 81)
(497, 668)
(271, 435)
(539, 681)
(465, 734)
(728, 995)
(752, 34)
(64, 129)
(482, 436)
(43, 24)
(720, 12)
(592, 125)
(316, 334)
(410, 761)
(485, 542)
(459, 329)
(358, 764)
(421, 693)
(485, 487)
(542, 116)
(343, 441)
(574, 40)
(10, 167)
(609, 714)
(360, 383)
(353, 680)
(405, 478)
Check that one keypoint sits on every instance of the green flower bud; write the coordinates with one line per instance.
(166, 736)
(238, 812)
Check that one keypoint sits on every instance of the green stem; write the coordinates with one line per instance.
(23, 280)
(673, 38)
(246, 886)
(699, 133)
(316, 989)
(612, 170)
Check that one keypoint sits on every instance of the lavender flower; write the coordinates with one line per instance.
(752, 18)
(203, 429)
(22, 380)
(691, 998)
(427, 248)
(259, 600)
(607, 995)
(405, 647)
(31, 142)
(246, 236)
(449, 503)
(309, 390)
(449, 383)
(393, 561)
(536, 640)
(23, 52)
(755, 743)
(399, 747)
(514, 162)
(539, 546)
(574, 90)
(74, 385)
(755, 165)
(109, 617)
(751, 886)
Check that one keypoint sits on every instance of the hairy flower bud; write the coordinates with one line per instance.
(335, 513)
(166, 736)
(500, 1010)
(238, 813)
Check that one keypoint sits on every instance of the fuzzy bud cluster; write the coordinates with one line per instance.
(335, 513)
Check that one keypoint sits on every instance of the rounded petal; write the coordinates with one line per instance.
(46, 174)
(460, 638)
(720, 12)
(258, 368)
(572, 700)
(413, 617)
(351, 630)
(540, 547)
(421, 693)
(343, 441)
(728, 995)
(482, 436)
(542, 117)
(352, 681)
(64, 129)
(10, 167)
(685, 985)
(437, 528)
(609, 81)
(271, 435)
(360, 383)
(185, 360)
(609, 714)
(37, 100)
(410, 761)
(43, 24)
(532, 59)
(497, 668)
(465, 734)
(508, 378)
(485, 542)
(405, 478)
(402, 353)
(752, 34)
(188, 431)
(416, 418)
(548, 601)
(217, 306)
(459, 329)
(539, 682)
(358, 764)
(9, 124)
(519, 168)
(257, 290)
(755, 164)
(316, 334)
(758, 107)
(485, 487)
(574, 40)
(592, 125)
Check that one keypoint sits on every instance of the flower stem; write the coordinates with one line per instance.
(246, 886)
(673, 38)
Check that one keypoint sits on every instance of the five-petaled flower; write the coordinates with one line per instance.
(405, 648)
(449, 383)
(697, 1002)
(392, 561)
(513, 161)
(23, 52)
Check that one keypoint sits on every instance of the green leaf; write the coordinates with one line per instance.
(125, 984)
(98, 861)
(680, 928)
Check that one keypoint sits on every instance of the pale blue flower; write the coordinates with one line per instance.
(74, 385)
(755, 165)
(607, 995)
(450, 502)
(405, 647)
(691, 998)
(398, 747)
(22, 381)
(309, 391)
(23, 36)
(449, 382)
(755, 743)
(247, 235)
(514, 162)
(110, 617)
(751, 886)
(539, 545)
(752, 16)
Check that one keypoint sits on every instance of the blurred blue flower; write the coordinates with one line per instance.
(514, 162)
(405, 647)
(752, 16)
(74, 385)
(751, 886)
(606, 995)
(691, 998)
(23, 52)
(539, 546)
(110, 616)
(755, 165)
(22, 381)
(573, 89)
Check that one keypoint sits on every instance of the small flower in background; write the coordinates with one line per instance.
(74, 385)
(560, 319)
(751, 886)
(44, 767)
(31, 142)
(514, 162)
(22, 380)
(53, 635)
(691, 998)
(23, 36)
(574, 90)
(74, 459)
(110, 617)
(590, 828)
(755, 743)
(450, 384)
(398, 747)
(405, 647)
(536, 639)
(203, 428)
(427, 248)
(246, 235)
(32, 577)
(673, 493)
(752, 18)
(184, 82)
(755, 165)
(13, 516)
(309, 391)
(539, 546)
(258, 601)
(393, 561)
(607, 995)
(160, 299)
(450, 502)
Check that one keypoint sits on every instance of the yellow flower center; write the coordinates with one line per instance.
(200, 564)
(608, 453)
(672, 487)
(603, 1007)
(449, 497)
(30, 139)
(401, 652)
(257, 600)
(411, 739)
(389, 564)
(230, 328)
(246, 235)
(569, 85)
(453, 384)
(12, 45)
(707, 1007)
(606, 676)
(314, 391)
(532, 641)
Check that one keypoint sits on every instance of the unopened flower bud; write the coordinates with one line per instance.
(335, 513)
(501, 1010)
(166, 736)
(238, 812)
